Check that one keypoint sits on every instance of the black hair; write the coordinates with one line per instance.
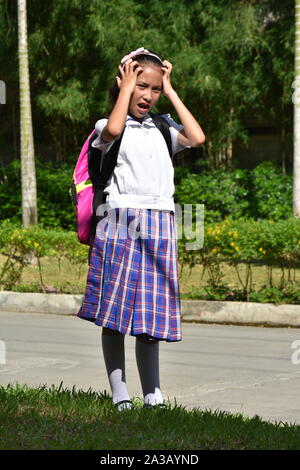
(141, 59)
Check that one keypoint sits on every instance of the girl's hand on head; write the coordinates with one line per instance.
(167, 69)
(128, 75)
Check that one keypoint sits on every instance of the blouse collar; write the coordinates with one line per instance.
(146, 119)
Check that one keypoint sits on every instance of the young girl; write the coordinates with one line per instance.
(132, 285)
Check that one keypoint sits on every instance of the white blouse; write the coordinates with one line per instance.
(144, 173)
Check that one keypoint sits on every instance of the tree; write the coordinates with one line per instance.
(28, 178)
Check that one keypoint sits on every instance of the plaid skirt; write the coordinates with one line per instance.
(132, 283)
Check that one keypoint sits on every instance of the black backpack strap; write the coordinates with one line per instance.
(109, 161)
(101, 166)
(94, 159)
(164, 128)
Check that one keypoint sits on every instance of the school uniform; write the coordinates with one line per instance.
(132, 283)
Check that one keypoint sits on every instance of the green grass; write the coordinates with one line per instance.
(57, 418)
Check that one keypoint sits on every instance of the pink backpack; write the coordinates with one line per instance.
(88, 184)
(82, 194)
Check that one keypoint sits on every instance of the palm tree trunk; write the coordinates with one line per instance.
(296, 101)
(29, 199)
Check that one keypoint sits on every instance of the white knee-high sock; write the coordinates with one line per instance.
(147, 358)
(114, 357)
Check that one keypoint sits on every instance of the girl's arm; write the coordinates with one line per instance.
(126, 83)
(191, 135)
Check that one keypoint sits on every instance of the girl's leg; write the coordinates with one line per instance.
(147, 358)
(114, 357)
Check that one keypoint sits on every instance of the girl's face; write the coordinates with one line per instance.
(147, 91)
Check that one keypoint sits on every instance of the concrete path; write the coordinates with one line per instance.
(251, 370)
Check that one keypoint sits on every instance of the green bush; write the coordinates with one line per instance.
(54, 204)
(10, 192)
(260, 193)
(270, 192)
(246, 242)
(222, 193)
(20, 246)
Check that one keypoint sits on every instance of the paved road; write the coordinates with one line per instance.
(234, 368)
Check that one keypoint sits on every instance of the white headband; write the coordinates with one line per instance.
(141, 50)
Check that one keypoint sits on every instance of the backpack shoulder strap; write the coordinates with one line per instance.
(102, 165)
(94, 159)
(164, 128)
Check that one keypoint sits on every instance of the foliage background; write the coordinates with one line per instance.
(233, 63)
(233, 67)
